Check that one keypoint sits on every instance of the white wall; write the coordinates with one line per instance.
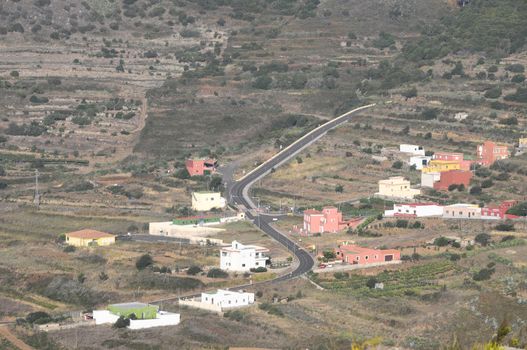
(412, 149)
(163, 319)
(418, 161)
(428, 179)
(419, 211)
(104, 317)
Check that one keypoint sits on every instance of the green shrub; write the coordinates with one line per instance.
(217, 273)
(483, 274)
(194, 270)
(505, 226)
(519, 209)
(384, 40)
(519, 96)
(259, 269)
(264, 82)
(441, 241)
(121, 322)
(515, 68)
(69, 249)
(482, 238)
(144, 261)
(493, 93)
(38, 317)
(518, 78)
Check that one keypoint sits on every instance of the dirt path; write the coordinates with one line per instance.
(6, 333)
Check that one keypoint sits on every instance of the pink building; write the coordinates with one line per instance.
(499, 211)
(489, 152)
(353, 254)
(201, 166)
(453, 157)
(327, 220)
(453, 177)
(448, 156)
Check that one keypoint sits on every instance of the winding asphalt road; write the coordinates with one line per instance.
(238, 191)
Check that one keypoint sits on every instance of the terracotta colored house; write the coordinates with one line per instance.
(327, 220)
(453, 177)
(498, 212)
(201, 166)
(88, 238)
(353, 254)
(489, 152)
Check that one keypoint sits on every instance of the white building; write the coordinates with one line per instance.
(220, 301)
(417, 210)
(419, 161)
(239, 257)
(460, 116)
(428, 179)
(396, 187)
(462, 211)
(205, 201)
(412, 149)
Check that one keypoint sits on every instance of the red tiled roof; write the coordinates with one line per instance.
(89, 234)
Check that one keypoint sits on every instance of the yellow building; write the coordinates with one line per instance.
(440, 166)
(205, 201)
(86, 238)
(396, 187)
(522, 142)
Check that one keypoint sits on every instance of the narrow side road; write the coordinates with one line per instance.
(5, 332)
(238, 192)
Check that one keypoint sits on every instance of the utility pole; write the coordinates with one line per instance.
(36, 200)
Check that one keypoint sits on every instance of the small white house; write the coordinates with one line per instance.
(428, 179)
(239, 257)
(460, 116)
(412, 149)
(205, 201)
(419, 161)
(417, 210)
(220, 301)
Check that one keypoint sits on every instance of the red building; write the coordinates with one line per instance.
(453, 177)
(353, 254)
(201, 166)
(499, 211)
(489, 152)
(327, 220)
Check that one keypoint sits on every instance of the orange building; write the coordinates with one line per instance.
(353, 254)
(201, 166)
(489, 152)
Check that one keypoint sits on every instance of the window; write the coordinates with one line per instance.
(357, 258)
(256, 263)
(243, 265)
(366, 257)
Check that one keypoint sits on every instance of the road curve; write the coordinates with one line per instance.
(238, 191)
